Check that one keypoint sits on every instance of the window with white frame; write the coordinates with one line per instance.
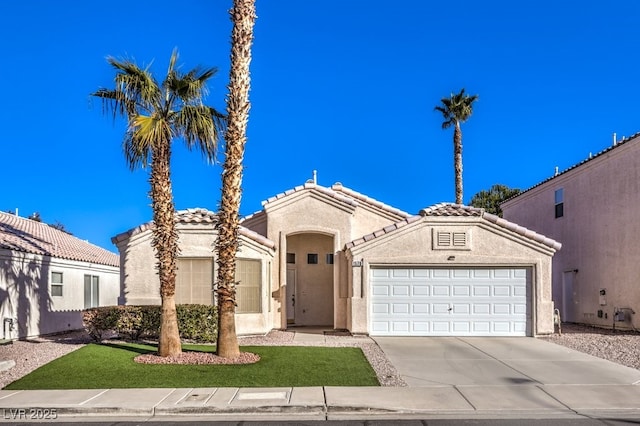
(248, 286)
(194, 281)
(91, 291)
(56, 284)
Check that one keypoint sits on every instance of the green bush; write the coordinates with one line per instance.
(195, 322)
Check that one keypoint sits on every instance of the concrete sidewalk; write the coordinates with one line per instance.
(449, 378)
(326, 403)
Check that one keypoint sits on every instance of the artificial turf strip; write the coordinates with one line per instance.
(111, 366)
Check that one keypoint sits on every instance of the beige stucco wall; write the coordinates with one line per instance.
(26, 292)
(311, 212)
(490, 246)
(140, 284)
(598, 232)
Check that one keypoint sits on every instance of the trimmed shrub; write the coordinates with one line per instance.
(195, 322)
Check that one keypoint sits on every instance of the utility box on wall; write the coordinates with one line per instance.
(603, 296)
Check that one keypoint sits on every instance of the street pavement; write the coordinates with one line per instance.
(448, 378)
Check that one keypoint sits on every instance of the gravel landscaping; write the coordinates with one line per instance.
(620, 347)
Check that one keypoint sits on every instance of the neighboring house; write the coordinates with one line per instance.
(317, 256)
(592, 208)
(48, 276)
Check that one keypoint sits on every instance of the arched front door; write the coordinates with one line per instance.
(310, 279)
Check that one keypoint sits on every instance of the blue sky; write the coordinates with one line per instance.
(344, 87)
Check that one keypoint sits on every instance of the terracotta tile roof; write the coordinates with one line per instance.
(623, 141)
(368, 200)
(459, 210)
(450, 209)
(342, 194)
(383, 231)
(26, 235)
(194, 216)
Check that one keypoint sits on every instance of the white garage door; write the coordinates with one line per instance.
(449, 302)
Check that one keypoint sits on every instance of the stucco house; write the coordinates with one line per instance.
(592, 208)
(47, 277)
(330, 256)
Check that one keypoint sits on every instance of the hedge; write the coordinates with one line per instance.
(195, 322)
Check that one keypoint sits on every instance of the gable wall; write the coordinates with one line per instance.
(140, 284)
(489, 246)
(308, 212)
(598, 232)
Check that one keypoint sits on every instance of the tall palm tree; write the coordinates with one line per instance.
(243, 16)
(456, 109)
(157, 114)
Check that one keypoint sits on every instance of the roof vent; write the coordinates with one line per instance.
(556, 172)
(615, 139)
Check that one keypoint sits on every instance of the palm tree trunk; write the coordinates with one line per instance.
(457, 161)
(165, 243)
(243, 15)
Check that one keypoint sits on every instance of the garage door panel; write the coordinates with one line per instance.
(501, 291)
(440, 273)
(401, 326)
(400, 290)
(380, 273)
(461, 273)
(501, 309)
(482, 327)
(381, 290)
(441, 302)
(400, 308)
(481, 274)
(440, 308)
(461, 290)
(501, 327)
(420, 308)
(458, 308)
(420, 273)
(400, 273)
(461, 326)
(420, 290)
(481, 290)
(380, 308)
(440, 290)
(502, 273)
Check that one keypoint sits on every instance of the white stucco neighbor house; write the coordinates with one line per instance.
(47, 277)
(592, 208)
(330, 256)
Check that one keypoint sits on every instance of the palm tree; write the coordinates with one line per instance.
(457, 109)
(243, 16)
(156, 115)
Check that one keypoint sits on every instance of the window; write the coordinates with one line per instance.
(194, 281)
(329, 258)
(312, 258)
(248, 279)
(91, 291)
(291, 258)
(56, 284)
(559, 202)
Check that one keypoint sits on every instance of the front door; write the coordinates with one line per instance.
(291, 296)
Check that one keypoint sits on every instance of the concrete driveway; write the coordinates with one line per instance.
(494, 361)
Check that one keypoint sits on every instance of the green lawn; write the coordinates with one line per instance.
(98, 366)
